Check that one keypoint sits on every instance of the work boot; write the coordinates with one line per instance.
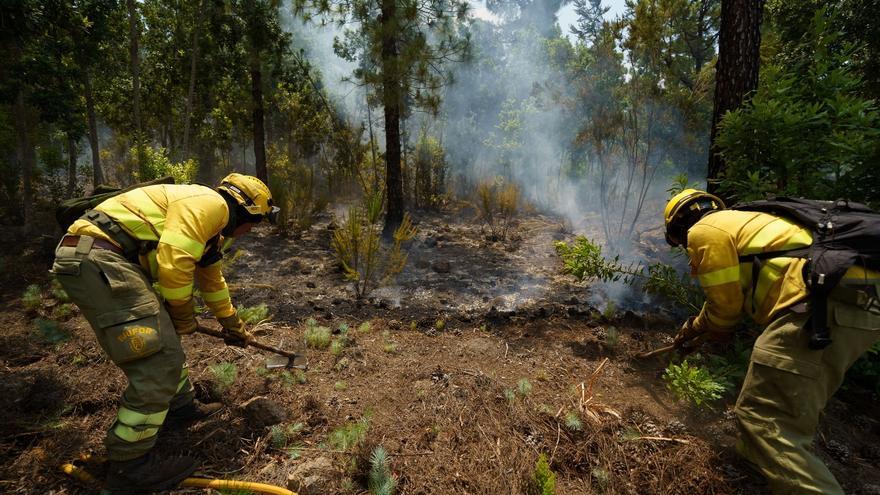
(192, 412)
(148, 473)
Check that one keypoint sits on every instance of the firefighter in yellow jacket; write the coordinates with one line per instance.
(107, 262)
(788, 383)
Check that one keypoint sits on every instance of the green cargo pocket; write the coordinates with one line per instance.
(785, 363)
(130, 334)
(66, 266)
(846, 315)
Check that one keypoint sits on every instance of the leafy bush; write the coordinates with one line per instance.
(809, 130)
(155, 163)
(498, 203)
(337, 346)
(295, 191)
(225, 374)
(545, 478)
(584, 260)
(253, 314)
(32, 298)
(380, 480)
(358, 248)
(349, 435)
(694, 384)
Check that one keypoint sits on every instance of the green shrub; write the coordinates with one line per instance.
(364, 327)
(317, 337)
(510, 395)
(358, 249)
(573, 422)
(380, 480)
(63, 311)
(545, 478)
(340, 386)
(50, 332)
(155, 163)
(498, 203)
(349, 435)
(390, 347)
(584, 260)
(32, 298)
(524, 387)
(225, 373)
(253, 314)
(58, 292)
(279, 435)
(612, 337)
(694, 384)
(440, 324)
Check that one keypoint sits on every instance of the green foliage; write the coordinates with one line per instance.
(694, 384)
(364, 327)
(340, 386)
(32, 298)
(253, 314)
(225, 374)
(279, 435)
(584, 260)
(50, 332)
(349, 435)
(294, 190)
(155, 163)
(429, 171)
(523, 387)
(612, 338)
(573, 422)
(440, 324)
(610, 310)
(358, 248)
(544, 477)
(679, 183)
(316, 337)
(63, 311)
(380, 480)
(390, 347)
(498, 204)
(338, 346)
(808, 131)
(58, 292)
(510, 395)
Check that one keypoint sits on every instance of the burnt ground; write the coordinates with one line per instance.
(437, 377)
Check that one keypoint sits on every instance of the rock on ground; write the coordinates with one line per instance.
(311, 477)
(262, 412)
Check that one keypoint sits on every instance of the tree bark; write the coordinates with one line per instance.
(134, 53)
(26, 158)
(71, 165)
(259, 130)
(736, 73)
(97, 172)
(197, 29)
(391, 100)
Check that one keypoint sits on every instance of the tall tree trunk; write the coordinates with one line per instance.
(259, 130)
(391, 99)
(26, 158)
(191, 93)
(736, 74)
(134, 53)
(71, 165)
(97, 172)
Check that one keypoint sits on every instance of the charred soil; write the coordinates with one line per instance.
(480, 358)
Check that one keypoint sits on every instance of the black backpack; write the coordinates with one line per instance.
(69, 211)
(844, 234)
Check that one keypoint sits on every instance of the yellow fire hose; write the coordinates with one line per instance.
(84, 476)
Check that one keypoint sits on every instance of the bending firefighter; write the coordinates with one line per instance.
(108, 261)
(790, 379)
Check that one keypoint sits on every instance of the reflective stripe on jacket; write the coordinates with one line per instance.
(182, 220)
(715, 245)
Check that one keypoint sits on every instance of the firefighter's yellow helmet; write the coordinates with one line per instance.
(251, 194)
(684, 210)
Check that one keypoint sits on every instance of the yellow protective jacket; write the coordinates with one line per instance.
(181, 220)
(715, 245)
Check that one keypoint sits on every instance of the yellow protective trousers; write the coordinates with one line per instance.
(788, 385)
(135, 331)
